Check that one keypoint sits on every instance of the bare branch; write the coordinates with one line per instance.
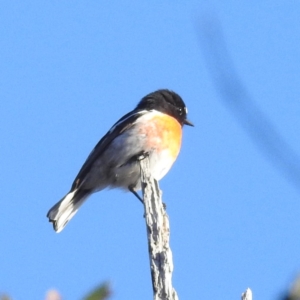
(247, 295)
(158, 232)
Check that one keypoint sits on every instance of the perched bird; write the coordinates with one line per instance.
(153, 128)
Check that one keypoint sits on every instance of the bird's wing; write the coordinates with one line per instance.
(118, 128)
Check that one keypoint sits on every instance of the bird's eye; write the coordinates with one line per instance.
(180, 111)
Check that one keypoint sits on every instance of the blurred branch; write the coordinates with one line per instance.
(236, 97)
(158, 232)
(247, 295)
(294, 293)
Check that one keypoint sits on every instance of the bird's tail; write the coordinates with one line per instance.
(63, 211)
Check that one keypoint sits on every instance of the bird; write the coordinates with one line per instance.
(153, 128)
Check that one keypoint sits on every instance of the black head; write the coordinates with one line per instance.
(167, 102)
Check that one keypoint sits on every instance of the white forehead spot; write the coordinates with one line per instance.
(186, 110)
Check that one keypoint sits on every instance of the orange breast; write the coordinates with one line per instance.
(164, 134)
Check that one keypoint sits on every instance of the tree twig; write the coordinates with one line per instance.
(158, 232)
(247, 295)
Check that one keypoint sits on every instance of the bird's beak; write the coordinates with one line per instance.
(187, 122)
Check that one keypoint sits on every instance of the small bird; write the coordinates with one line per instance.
(153, 128)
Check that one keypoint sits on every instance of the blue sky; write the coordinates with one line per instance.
(69, 70)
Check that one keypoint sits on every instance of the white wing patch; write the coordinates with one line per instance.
(128, 117)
